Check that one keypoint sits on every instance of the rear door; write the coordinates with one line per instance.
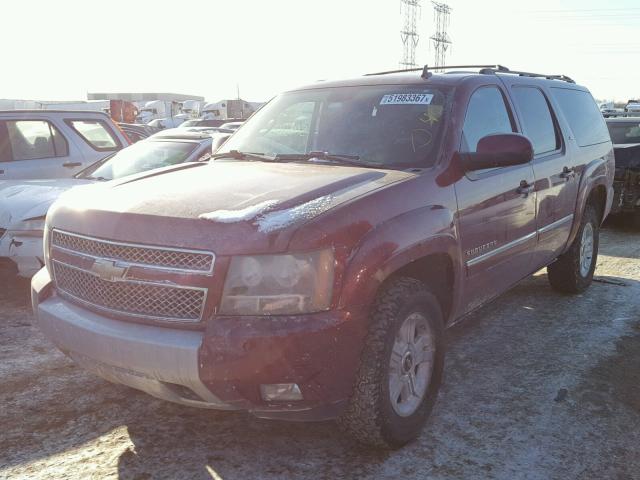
(35, 148)
(496, 207)
(554, 168)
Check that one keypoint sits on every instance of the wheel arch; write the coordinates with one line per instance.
(410, 246)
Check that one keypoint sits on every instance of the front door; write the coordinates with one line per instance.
(496, 207)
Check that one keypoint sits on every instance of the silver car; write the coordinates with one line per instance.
(24, 204)
(54, 143)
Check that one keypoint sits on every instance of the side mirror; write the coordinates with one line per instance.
(499, 150)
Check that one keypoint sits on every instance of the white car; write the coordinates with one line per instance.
(54, 143)
(24, 204)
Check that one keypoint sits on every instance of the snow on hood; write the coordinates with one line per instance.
(24, 199)
(232, 216)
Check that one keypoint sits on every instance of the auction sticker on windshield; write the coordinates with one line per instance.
(406, 99)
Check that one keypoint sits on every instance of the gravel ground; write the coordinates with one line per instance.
(538, 386)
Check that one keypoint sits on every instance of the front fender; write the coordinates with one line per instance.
(394, 244)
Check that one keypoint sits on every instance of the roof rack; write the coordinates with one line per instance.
(484, 69)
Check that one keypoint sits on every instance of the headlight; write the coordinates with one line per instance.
(278, 284)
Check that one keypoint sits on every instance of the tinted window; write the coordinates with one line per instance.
(583, 115)
(34, 139)
(486, 114)
(383, 125)
(624, 132)
(95, 133)
(537, 123)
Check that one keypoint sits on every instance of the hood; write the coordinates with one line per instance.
(228, 206)
(22, 200)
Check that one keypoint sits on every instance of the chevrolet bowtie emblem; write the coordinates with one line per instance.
(108, 270)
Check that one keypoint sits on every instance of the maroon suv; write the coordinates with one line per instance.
(309, 271)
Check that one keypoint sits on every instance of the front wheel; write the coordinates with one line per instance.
(401, 367)
(573, 271)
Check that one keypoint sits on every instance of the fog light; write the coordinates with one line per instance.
(280, 392)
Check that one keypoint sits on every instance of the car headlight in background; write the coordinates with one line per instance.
(32, 227)
(286, 284)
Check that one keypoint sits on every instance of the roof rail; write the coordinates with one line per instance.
(484, 69)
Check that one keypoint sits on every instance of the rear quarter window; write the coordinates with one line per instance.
(583, 115)
(96, 133)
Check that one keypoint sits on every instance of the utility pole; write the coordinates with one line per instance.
(410, 9)
(441, 40)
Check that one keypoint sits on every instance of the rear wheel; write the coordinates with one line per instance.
(573, 271)
(401, 367)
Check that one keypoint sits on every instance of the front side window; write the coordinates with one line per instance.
(487, 114)
(95, 133)
(140, 157)
(537, 122)
(624, 132)
(34, 139)
(583, 115)
(386, 125)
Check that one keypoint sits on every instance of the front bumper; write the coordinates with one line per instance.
(221, 367)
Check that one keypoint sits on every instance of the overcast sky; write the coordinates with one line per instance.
(55, 50)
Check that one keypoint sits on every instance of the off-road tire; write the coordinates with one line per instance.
(370, 417)
(564, 274)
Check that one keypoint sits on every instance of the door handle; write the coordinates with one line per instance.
(71, 164)
(568, 173)
(525, 188)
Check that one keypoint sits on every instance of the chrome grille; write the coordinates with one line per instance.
(130, 298)
(158, 257)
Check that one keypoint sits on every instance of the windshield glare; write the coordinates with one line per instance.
(140, 157)
(384, 124)
(624, 132)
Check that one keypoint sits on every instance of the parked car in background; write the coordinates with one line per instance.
(54, 143)
(136, 132)
(201, 122)
(24, 204)
(625, 135)
(231, 125)
(310, 270)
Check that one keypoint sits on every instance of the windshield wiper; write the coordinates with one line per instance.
(99, 179)
(237, 155)
(328, 157)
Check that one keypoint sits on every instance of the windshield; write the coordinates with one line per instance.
(382, 125)
(140, 157)
(627, 132)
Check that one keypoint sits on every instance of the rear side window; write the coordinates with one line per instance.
(33, 139)
(583, 115)
(486, 114)
(537, 122)
(95, 133)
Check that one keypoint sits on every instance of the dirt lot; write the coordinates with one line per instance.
(538, 386)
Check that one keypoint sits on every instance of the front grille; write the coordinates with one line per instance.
(130, 298)
(175, 259)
